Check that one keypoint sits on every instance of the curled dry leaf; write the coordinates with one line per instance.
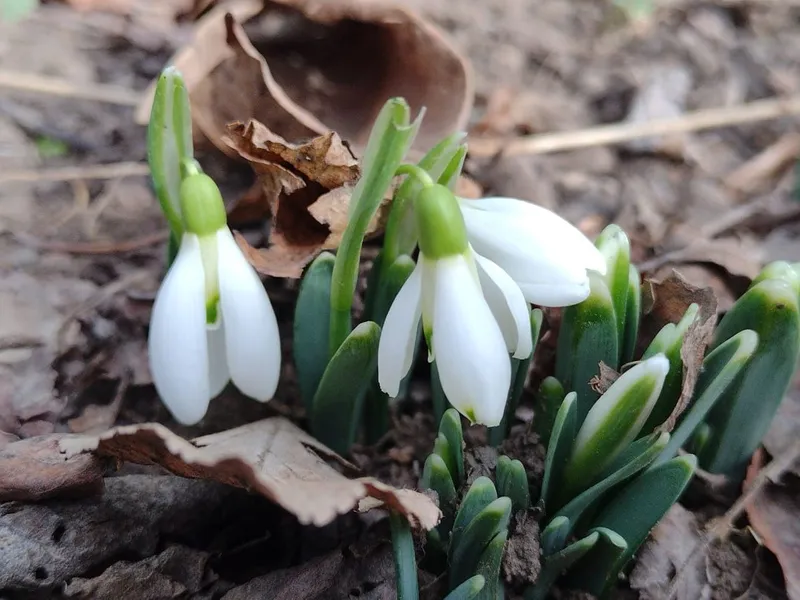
(273, 457)
(35, 468)
(296, 74)
(306, 188)
(773, 515)
(601, 382)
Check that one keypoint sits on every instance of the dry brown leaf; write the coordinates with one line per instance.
(607, 376)
(737, 256)
(773, 515)
(695, 342)
(273, 457)
(306, 188)
(312, 88)
(666, 301)
(35, 468)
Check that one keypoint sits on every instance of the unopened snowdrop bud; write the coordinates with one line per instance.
(212, 320)
(472, 313)
(543, 253)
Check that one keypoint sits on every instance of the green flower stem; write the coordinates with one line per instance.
(388, 143)
(420, 174)
(405, 562)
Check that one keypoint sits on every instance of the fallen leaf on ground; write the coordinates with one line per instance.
(35, 468)
(739, 257)
(693, 350)
(308, 86)
(34, 308)
(773, 515)
(670, 545)
(766, 165)
(176, 572)
(46, 544)
(273, 457)
(306, 188)
(155, 13)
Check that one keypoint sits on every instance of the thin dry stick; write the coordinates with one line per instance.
(719, 529)
(40, 84)
(110, 171)
(760, 110)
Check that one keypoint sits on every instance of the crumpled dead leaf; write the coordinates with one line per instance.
(773, 515)
(35, 468)
(273, 457)
(306, 188)
(670, 545)
(297, 76)
(693, 350)
(604, 380)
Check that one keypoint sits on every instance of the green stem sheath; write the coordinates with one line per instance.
(405, 562)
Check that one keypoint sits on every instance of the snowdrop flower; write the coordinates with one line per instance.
(543, 253)
(472, 313)
(212, 320)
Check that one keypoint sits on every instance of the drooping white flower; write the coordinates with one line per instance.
(542, 252)
(473, 315)
(212, 320)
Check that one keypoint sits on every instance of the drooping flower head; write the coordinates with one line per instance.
(212, 320)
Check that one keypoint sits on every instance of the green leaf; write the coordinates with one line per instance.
(12, 11)
(669, 341)
(405, 562)
(613, 423)
(519, 375)
(780, 270)
(450, 427)
(437, 477)
(641, 504)
(338, 403)
(390, 138)
(633, 459)
(512, 481)
(548, 400)
(169, 143)
(468, 590)
(479, 495)
(556, 564)
(311, 321)
(559, 450)
(489, 564)
(588, 335)
(720, 368)
(400, 236)
(597, 570)
(616, 249)
(441, 447)
(633, 313)
(376, 411)
(740, 419)
(554, 536)
(467, 550)
(452, 171)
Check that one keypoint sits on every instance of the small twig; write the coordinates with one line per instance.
(94, 247)
(19, 342)
(111, 171)
(616, 133)
(53, 86)
(718, 529)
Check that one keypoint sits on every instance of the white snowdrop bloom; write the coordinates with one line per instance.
(472, 313)
(212, 320)
(544, 254)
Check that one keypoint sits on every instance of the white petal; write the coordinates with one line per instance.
(508, 305)
(218, 375)
(564, 294)
(471, 356)
(177, 343)
(252, 342)
(399, 333)
(515, 228)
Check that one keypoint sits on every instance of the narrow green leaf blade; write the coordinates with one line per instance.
(588, 336)
(338, 402)
(613, 423)
(450, 427)
(548, 400)
(468, 590)
(554, 535)
(597, 570)
(633, 314)
(740, 419)
(311, 321)
(720, 368)
(559, 450)
(642, 503)
(476, 537)
(616, 249)
(556, 564)
(489, 564)
(512, 481)
(479, 495)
